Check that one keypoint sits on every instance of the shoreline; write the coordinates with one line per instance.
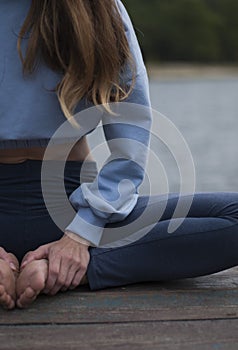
(173, 71)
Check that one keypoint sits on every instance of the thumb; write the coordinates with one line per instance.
(38, 254)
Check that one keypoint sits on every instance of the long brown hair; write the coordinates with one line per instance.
(83, 39)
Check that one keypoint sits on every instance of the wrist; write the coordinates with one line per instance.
(77, 238)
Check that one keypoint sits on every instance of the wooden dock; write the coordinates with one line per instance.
(190, 314)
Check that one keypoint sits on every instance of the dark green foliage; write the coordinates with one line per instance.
(186, 30)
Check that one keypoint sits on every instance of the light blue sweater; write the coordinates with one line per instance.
(29, 116)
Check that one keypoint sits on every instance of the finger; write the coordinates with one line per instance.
(71, 275)
(77, 279)
(67, 272)
(26, 256)
(79, 268)
(38, 254)
(75, 282)
(53, 272)
(81, 273)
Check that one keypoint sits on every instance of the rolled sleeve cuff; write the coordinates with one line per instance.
(87, 225)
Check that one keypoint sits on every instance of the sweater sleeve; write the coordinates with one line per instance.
(114, 192)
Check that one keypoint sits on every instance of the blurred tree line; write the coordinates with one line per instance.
(186, 30)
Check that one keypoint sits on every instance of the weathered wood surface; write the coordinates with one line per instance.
(124, 306)
(189, 335)
(198, 313)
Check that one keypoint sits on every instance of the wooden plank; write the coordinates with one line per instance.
(138, 305)
(227, 279)
(196, 335)
(214, 296)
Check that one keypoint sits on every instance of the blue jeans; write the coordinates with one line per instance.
(206, 242)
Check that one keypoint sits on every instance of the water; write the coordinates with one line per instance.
(206, 113)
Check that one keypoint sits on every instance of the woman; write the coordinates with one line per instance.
(79, 54)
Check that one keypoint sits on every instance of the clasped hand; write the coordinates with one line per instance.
(67, 263)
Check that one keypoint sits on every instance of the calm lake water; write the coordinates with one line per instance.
(206, 113)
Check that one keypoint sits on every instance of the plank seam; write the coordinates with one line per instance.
(116, 322)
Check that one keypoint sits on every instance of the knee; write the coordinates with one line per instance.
(230, 205)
